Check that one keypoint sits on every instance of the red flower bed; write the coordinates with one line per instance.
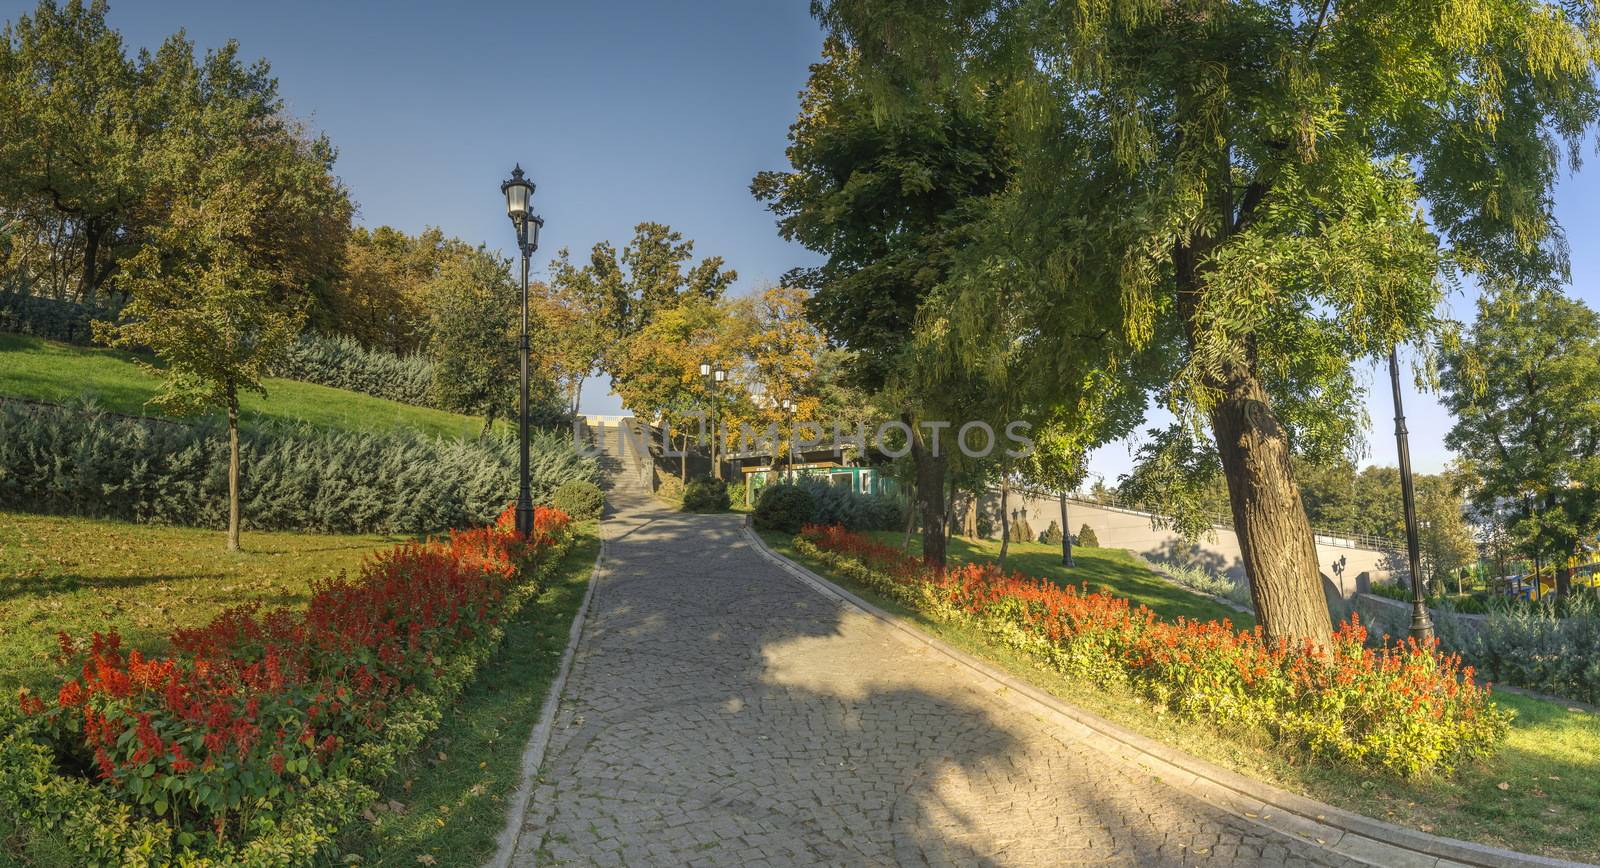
(258, 706)
(1402, 707)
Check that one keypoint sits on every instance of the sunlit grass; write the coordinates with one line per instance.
(44, 370)
(83, 575)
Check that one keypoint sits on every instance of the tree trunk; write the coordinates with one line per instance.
(91, 254)
(683, 461)
(1066, 534)
(1279, 552)
(1005, 520)
(1275, 540)
(929, 491)
(911, 519)
(233, 472)
(1563, 579)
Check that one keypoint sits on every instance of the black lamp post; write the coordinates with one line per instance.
(519, 200)
(788, 452)
(1421, 624)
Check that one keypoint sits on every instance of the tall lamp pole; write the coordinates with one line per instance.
(519, 198)
(1421, 624)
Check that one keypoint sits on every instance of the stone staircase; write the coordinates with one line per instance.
(627, 472)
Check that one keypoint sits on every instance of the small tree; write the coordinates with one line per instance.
(212, 320)
(473, 346)
(1086, 537)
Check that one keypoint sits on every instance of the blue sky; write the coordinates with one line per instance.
(620, 112)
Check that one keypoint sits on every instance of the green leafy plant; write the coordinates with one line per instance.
(1086, 537)
(1052, 534)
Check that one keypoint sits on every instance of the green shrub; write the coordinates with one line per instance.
(706, 495)
(784, 507)
(578, 498)
(1052, 535)
(343, 363)
(834, 504)
(77, 460)
(1541, 646)
(1086, 537)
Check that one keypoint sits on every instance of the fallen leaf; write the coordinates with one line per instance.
(1503, 785)
(425, 859)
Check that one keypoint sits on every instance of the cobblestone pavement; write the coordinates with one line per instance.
(719, 712)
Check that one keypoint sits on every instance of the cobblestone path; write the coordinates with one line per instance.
(720, 712)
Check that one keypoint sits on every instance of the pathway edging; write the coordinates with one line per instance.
(539, 739)
(1345, 832)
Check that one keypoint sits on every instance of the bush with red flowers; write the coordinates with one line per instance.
(266, 731)
(1405, 708)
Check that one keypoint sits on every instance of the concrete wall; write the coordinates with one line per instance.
(1130, 529)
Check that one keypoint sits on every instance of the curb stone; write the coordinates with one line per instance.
(539, 739)
(1354, 835)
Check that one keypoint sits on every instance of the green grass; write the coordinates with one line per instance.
(1549, 803)
(44, 370)
(453, 795)
(81, 575)
(1115, 571)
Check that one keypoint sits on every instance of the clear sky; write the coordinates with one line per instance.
(620, 112)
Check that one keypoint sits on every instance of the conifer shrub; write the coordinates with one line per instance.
(784, 507)
(706, 494)
(1052, 534)
(343, 363)
(79, 460)
(1086, 537)
(578, 498)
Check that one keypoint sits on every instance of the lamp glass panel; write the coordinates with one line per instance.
(516, 200)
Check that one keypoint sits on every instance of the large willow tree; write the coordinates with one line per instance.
(1263, 192)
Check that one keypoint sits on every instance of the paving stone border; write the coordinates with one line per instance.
(1341, 831)
(539, 739)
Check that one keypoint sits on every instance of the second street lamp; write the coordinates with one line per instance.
(1421, 624)
(519, 203)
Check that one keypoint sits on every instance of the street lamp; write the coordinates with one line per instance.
(1421, 624)
(715, 377)
(519, 200)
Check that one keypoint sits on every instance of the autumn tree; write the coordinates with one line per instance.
(657, 371)
(1524, 387)
(1244, 184)
(655, 272)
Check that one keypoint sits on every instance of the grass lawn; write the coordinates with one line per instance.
(44, 370)
(1115, 571)
(1538, 795)
(453, 796)
(81, 575)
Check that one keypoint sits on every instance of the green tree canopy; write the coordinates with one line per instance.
(1524, 386)
(1242, 185)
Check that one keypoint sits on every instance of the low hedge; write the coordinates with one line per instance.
(784, 507)
(267, 732)
(79, 460)
(1405, 709)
